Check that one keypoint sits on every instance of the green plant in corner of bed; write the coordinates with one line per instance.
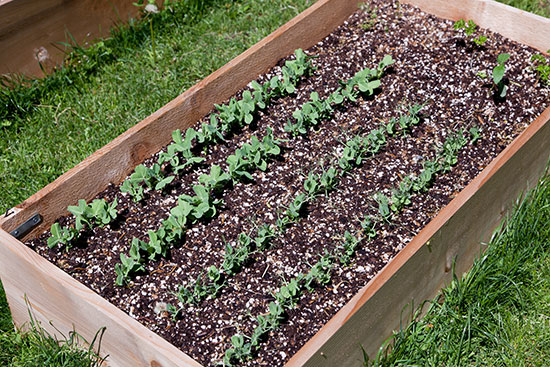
(498, 75)
(469, 29)
(542, 67)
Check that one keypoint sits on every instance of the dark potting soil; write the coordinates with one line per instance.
(434, 64)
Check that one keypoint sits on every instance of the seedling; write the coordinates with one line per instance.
(368, 225)
(329, 179)
(424, 179)
(294, 209)
(235, 257)
(371, 19)
(475, 135)
(469, 29)
(152, 177)
(312, 185)
(542, 67)
(449, 150)
(498, 75)
(61, 236)
(204, 206)
(383, 206)
(216, 180)
(347, 248)
(319, 273)
(98, 212)
(286, 297)
(353, 153)
(401, 196)
(129, 264)
(264, 234)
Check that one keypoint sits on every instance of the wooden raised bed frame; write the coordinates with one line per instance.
(369, 318)
(29, 25)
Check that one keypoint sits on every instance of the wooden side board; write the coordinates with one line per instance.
(420, 269)
(31, 29)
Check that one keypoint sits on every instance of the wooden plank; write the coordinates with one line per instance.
(31, 27)
(518, 25)
(113, 162)
(58, 298)
(424, 265)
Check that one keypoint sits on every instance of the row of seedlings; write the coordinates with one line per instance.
(203, 205)
(235, 257)
(288, 295)
(233, 115)
(179, 154)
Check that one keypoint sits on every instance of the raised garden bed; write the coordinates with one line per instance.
(435, 66)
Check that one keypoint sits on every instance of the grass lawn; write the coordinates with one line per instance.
(55, 123)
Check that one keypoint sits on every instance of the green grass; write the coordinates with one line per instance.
(36, 347)
(498, 314)
(540, 7)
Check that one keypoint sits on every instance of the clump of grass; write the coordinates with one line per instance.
(495, 315)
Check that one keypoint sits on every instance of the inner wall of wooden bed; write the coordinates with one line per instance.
(381, 300)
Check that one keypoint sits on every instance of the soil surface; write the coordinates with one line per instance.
(434, 64)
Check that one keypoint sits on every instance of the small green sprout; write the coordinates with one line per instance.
(426, 176)
(329, 179)
(401, 196)
(542, 67)
(152, 177)
(475, 135)
(368, 225)
(216, 180)
(288, 294)
(264, 234)
(383, 206)
(347, 248)
(469, 29)
(129, 264)
(203, 204)
(319, 273)
(371, 17)
(498, 75)
(235, 257)
(312, 185)
(296, 206)
(61, 236)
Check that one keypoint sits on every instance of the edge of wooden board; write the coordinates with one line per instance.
(113, 162)
(516, 24)
(425, 265)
